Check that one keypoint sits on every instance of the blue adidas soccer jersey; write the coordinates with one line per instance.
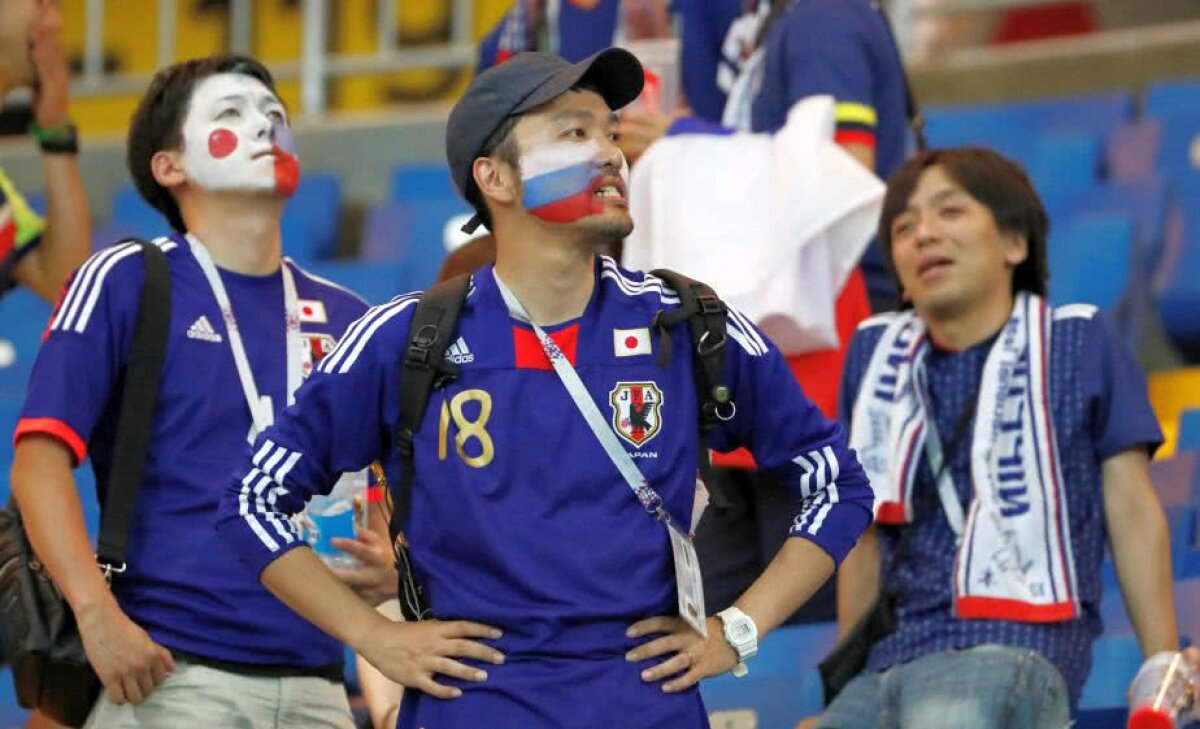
(183, 584)
(518, 518)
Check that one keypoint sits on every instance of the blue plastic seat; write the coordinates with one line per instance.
(1065, 161)
(134, 214)
(424, 243)
(1179, 97)
(1089, 260)
(1132, 150)
(412, 182)
(25, 317)
(12, 716)
(1189, 431)
(783, 685)
(1115, 659)
(1179, 150)
(385, 232)
(1010, 128)
(1172, 478)
(374, 281)
(312, 219)
(1144, 200)
(36, 200)
(1178, 295)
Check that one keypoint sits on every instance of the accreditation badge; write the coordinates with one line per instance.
(688, 582)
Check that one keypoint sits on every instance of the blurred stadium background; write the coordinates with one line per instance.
(1100, 100)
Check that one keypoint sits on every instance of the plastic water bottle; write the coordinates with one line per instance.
(336, 515)
(1163, 693)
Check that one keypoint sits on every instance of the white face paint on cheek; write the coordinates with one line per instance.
(226, 135)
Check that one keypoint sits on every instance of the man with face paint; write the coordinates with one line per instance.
(37, 253)
(555, 589)
(184, 637)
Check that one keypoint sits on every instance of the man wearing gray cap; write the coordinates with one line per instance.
(553, 485)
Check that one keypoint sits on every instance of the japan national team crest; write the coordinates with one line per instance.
(637, 414)
(316, 346)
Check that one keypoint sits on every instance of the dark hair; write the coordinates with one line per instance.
(157, 123)
(997, 183)
(502, 144)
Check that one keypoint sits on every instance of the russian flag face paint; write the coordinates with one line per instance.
(236, 138)
(560, 181)
(287, 163)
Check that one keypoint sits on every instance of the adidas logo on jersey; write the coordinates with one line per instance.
(203, 330)
(459, 352)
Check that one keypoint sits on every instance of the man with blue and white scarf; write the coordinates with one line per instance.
(1005, 440)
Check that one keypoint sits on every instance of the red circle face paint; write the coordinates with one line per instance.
(222, 143)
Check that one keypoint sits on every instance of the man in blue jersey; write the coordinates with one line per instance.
(182, 638)
(1006, 440)
(554, 587)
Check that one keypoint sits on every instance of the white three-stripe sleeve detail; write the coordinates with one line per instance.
(94, 294)
(80, 287)
(349, 361)
(260, 501)
(805, 477)
(252, 518)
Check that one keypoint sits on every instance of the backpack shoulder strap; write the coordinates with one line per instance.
(423, 368)
(706, 315)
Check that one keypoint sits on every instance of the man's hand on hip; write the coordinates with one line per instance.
(129, 663)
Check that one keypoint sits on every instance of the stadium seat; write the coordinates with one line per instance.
(1089, 260)
(1181, 521)
(783, 686)
(1115, 659)
(25, 317)
(424, 247)
(1132, 150)
(413, 182)
(383, 233)
(1010, 128)
(1065, 161)
(1179, 97)
(1179, 151)
(36, 201)
(312, 218)
(1144, 200)
(1173, 477)
(11, 715)
(134, 214)
(1178, 294)
(375, 281)
(1189, 431)
(106, 234)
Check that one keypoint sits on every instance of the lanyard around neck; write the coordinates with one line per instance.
(260, 409)
(642, 490)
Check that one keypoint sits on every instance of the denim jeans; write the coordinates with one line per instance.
(987, 687)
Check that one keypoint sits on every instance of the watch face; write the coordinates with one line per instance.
(740, 632)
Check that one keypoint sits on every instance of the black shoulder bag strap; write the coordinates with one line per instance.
(423, 368)
(707, 317)
(139, 396)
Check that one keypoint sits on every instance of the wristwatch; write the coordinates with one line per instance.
(741, 634)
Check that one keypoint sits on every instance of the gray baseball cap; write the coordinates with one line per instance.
(524, 82)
